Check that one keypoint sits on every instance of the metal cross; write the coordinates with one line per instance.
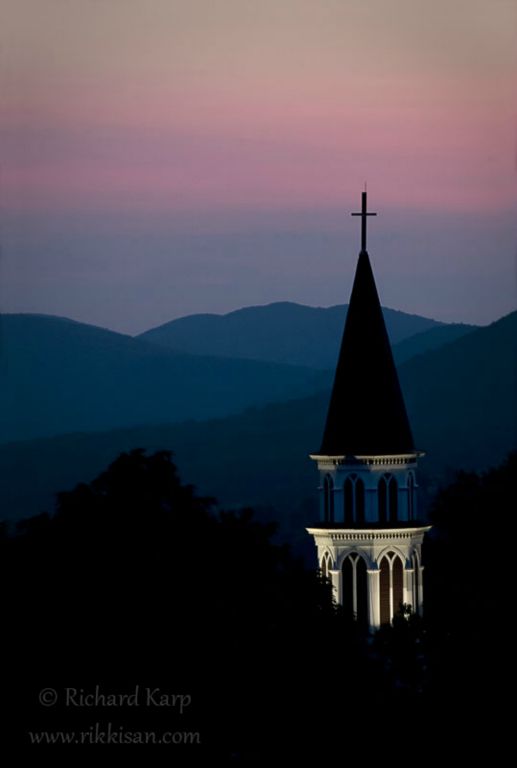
(364, 213)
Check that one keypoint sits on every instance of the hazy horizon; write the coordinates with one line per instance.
(172, 157)
(237, 309)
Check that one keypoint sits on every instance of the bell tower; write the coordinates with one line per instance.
(369, 536)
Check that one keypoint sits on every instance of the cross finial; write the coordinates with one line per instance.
(364, 213)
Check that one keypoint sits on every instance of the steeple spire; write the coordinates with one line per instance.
(367, 415)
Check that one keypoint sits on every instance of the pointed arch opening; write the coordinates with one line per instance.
(397, 584)
(354, 588)
(388, 499)
(385, 591)
(391, 586)
(362, 592)
(353, 501)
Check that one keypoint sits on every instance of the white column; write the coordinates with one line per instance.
(391, 590)
(335, 577)
(374, 606)
(407, 591)
(354, 588)
(420, 589)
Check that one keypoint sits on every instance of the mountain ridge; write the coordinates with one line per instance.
(60, 376)
(260, 457)
(285, 332)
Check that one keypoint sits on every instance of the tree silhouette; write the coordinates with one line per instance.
(135, 579)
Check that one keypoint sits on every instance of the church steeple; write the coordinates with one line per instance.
(369, 537)
(367, 414)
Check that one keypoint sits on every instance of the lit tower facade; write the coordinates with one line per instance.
(369, 536)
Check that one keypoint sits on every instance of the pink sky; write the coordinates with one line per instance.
(126, 108)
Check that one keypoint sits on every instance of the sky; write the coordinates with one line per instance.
(166, 157)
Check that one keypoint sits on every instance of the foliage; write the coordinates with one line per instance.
(137, 579)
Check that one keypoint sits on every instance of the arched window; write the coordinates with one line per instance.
(393, 492)
(354, 588)
(411, 497)
(347, 587)
(349, 501)
(359, 501)
(391, 586)
(328, 499)
(362, 592)
(385, 591)
(383, 500)
(387, 492)
(397, 579)
(326, 565)
(353, 500)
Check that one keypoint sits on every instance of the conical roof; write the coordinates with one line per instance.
(367, 415)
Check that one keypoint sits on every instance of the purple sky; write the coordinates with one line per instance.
(166, 157)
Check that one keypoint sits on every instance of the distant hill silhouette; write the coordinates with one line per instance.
(462, 397)
(283, 332)
(60, 376)
(428, 340)
(461, 402)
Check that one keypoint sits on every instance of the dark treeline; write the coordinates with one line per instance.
(136, 580)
